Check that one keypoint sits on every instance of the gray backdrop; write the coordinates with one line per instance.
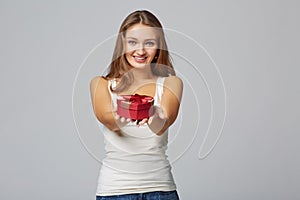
(254, 44)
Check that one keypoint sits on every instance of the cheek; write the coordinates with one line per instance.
(128, 50)
(152, 52)
(128, 56)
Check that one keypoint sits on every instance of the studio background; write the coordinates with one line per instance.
(255, 45)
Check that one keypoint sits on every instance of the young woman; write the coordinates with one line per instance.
(136, 164)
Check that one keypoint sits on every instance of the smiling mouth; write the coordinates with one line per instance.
(140, 59)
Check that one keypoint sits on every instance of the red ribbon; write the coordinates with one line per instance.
(137, 98)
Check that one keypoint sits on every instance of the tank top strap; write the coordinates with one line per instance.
(159, 89)
(112, 83)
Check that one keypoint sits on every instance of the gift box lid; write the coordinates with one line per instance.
(135, 102)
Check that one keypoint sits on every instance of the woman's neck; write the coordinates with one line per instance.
(141, 75)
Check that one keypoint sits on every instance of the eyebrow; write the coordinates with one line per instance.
(137, 39)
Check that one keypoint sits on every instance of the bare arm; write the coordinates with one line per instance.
(166, 114)
(102, 104)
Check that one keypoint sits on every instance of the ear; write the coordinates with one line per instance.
(156, 56)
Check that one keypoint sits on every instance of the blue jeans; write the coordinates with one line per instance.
(159, 195)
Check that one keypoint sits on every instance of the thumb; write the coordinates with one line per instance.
(159, 112)
(150, 119)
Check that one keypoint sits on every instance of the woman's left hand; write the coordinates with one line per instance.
(158, 113)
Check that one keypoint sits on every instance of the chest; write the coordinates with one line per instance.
(148, 89)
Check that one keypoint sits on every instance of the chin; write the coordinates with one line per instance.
(139, 65)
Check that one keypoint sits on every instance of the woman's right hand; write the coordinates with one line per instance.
(121, 121)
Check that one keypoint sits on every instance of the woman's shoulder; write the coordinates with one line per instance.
(173, 81)
(102, 79)
(173, 87)
(98, 80)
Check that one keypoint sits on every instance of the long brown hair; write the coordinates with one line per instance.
(120, 68)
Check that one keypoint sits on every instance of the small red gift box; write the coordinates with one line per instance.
(135, 107)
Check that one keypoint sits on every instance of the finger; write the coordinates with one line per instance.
(152, 110)
(117, 116)
(150, 120)
(161, 113)
(122, 119)
(143, 121)
(128, 120)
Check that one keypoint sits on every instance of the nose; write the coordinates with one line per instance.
(140, 50)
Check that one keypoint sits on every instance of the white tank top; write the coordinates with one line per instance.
(135, 162)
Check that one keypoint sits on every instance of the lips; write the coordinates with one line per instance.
(140, 59)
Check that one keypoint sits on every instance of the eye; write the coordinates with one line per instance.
(131, 42)
(150, 44)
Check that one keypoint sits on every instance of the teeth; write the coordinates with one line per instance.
(140, 58)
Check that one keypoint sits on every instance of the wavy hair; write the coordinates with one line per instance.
(119, 67)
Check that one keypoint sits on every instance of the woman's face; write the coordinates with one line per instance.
(141, 45)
